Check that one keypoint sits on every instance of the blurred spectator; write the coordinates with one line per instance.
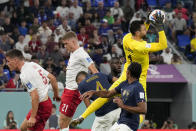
(111, 37)
(27, 53)
(119, 48)
(35, 26)
(176, 59)
(70, 20)
(96, 39)
(182, 10)
(3, 78)
(155, 58)
(103, 30)
(21, 43)
(62, 9)
(96, 20)
(192, 24)
(116, 26)
(128, 14)
(2, 58)
(42, 16)
(51, 43)
(178, 25)
(44, 32)
(116, 11)
(22, 28)
(83, 36)
(106, 46)
(34, 44)
(169, 124)
(6, 42)
(15, 35)
(56, 55)
(148, 124)
(109, 17)
(88, 8)
(89, 27)
(28, 36)
(115, 67)
(57, 34)
(62, 75)
(42, 54)
(105, 66)
(192, 125)
(48, 8)
(8, 27)
(97, 55)
(167, 56)
(64, 27)
(101, 10)
(136, 16)
(52, 122)
(76, 10)
(10, 122)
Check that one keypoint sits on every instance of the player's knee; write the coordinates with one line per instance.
(64, 121)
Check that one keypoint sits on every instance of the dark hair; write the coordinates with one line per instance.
(14, 53)
(81, 73)
(8, 121)
(135, 26)
(135, 70)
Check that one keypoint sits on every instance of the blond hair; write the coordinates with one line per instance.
(69, 35)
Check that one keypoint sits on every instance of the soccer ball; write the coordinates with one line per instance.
(153, 17)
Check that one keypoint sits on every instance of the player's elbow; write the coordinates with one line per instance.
(143, 111)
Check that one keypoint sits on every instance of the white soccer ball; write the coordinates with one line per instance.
(153, 17)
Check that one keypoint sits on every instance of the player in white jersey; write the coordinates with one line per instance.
(36, 80)
(79, 61)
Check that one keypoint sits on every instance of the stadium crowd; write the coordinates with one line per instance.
(36, 27)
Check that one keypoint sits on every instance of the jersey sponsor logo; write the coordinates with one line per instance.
(29, 85)
(89, 59)
(148, 45)
(141, 95)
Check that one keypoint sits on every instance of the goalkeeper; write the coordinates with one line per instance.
(136, 50)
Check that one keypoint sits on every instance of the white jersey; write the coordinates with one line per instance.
(33, 76)
(79, 61)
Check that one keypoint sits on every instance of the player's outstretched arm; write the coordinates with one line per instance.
(162, 44)
(103, 94)
(54, 84)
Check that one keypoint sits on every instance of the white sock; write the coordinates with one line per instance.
(65, 129)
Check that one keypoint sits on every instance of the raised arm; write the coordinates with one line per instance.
(162, 44)
(102, 93)
(93, 69)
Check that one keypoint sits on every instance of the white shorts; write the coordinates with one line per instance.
(104, 123)
(120, 127)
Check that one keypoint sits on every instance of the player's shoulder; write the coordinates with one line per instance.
(138, 86)
(127, 36)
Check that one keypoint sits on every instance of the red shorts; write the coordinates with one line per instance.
(43, 113)
(69, 102)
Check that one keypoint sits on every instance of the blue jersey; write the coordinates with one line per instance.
(131, 95)
(98, 81)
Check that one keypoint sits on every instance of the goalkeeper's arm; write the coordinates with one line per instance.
(162, 44)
